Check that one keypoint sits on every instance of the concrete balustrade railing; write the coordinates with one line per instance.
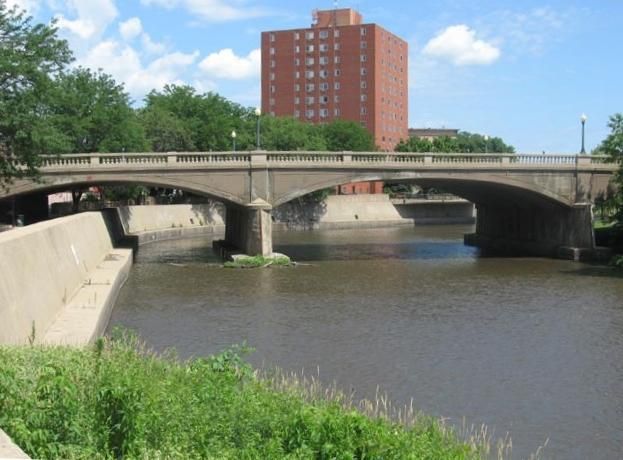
(177, 160)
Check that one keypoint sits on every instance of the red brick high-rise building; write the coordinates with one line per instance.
(339, 68)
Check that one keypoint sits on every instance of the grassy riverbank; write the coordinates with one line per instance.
(118, 399)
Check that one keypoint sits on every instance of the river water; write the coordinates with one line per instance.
(531, 347)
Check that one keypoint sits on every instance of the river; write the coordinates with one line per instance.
(528, 346)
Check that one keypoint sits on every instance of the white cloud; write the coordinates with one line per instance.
(211, 10)
(93, 17)
(150, 46)
(459, 45)
(131, 28)
(124, 63)
(225, 64)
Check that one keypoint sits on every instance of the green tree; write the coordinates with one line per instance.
(347, 135)
(31, 55)
(193, 121)
(465, 142)
(613, 147)
(93, 114)
(283, 133)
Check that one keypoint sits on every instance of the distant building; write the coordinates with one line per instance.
(339, 68)
(432, 133)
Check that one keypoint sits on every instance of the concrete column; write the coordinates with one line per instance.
(249, 228)
(549, 230)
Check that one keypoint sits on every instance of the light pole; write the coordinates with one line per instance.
(233, 139)
(258, 113)
(486, 142)
(583, 119)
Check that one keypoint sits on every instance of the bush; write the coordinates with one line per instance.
(120, 400)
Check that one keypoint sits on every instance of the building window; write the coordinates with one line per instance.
(363, 72)
(363, 84)
(324, 99)
(324, 86)
(336, 98)
(297, 49)
(297, 100)
(336, 46)
(309, 113)
(323, 34)
(364, 97)
(323, 73)
(336, 85)
(336, 112)
(309, 74)
(272, 75)
(309, 35)
(309, 48)
(324, 113)
(297, 61)
(273, 63)
(309, 100)
(363, 31)
(297, 74)
(336, 59)
(309, 61)
(272, 37)
(363, 110)
(363, 58)
(297, 113)
(271, 101)
(309, 87)
(363, 45)
(272, 50)
(296, 35)
(336, 72)
(336, 32)
(297, 87)
(323, 47)
(272, 88)
(323, 60)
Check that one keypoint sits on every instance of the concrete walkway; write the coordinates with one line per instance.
(8, 450)
(86, 315)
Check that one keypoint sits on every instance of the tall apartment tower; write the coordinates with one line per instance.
(339, 68)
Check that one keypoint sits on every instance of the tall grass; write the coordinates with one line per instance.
(120, 400)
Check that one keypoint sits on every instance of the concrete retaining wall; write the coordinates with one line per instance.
(339, 211)
(166, 222)
(46, 265)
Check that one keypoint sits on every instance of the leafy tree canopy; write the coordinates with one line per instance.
(31, 55)
(613, 147)
(464, 142)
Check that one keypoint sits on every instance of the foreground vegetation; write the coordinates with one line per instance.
(118, 399)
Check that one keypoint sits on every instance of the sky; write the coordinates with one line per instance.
(522, 70)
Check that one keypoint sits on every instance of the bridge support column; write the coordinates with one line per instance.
(249, 228)
(549, 231)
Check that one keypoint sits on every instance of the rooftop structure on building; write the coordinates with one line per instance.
(432, 133)
(339, 68)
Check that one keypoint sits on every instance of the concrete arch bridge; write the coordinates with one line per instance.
(527, 204)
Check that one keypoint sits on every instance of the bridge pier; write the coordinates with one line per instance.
(546, 231)
(249, 228)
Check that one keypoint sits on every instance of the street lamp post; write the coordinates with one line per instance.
(258, 112)
(583, 119)
(233, 139)
(486, 142)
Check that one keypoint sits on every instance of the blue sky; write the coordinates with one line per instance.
(524, 71)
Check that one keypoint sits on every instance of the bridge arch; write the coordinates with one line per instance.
(487, 188)
(64, 183)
